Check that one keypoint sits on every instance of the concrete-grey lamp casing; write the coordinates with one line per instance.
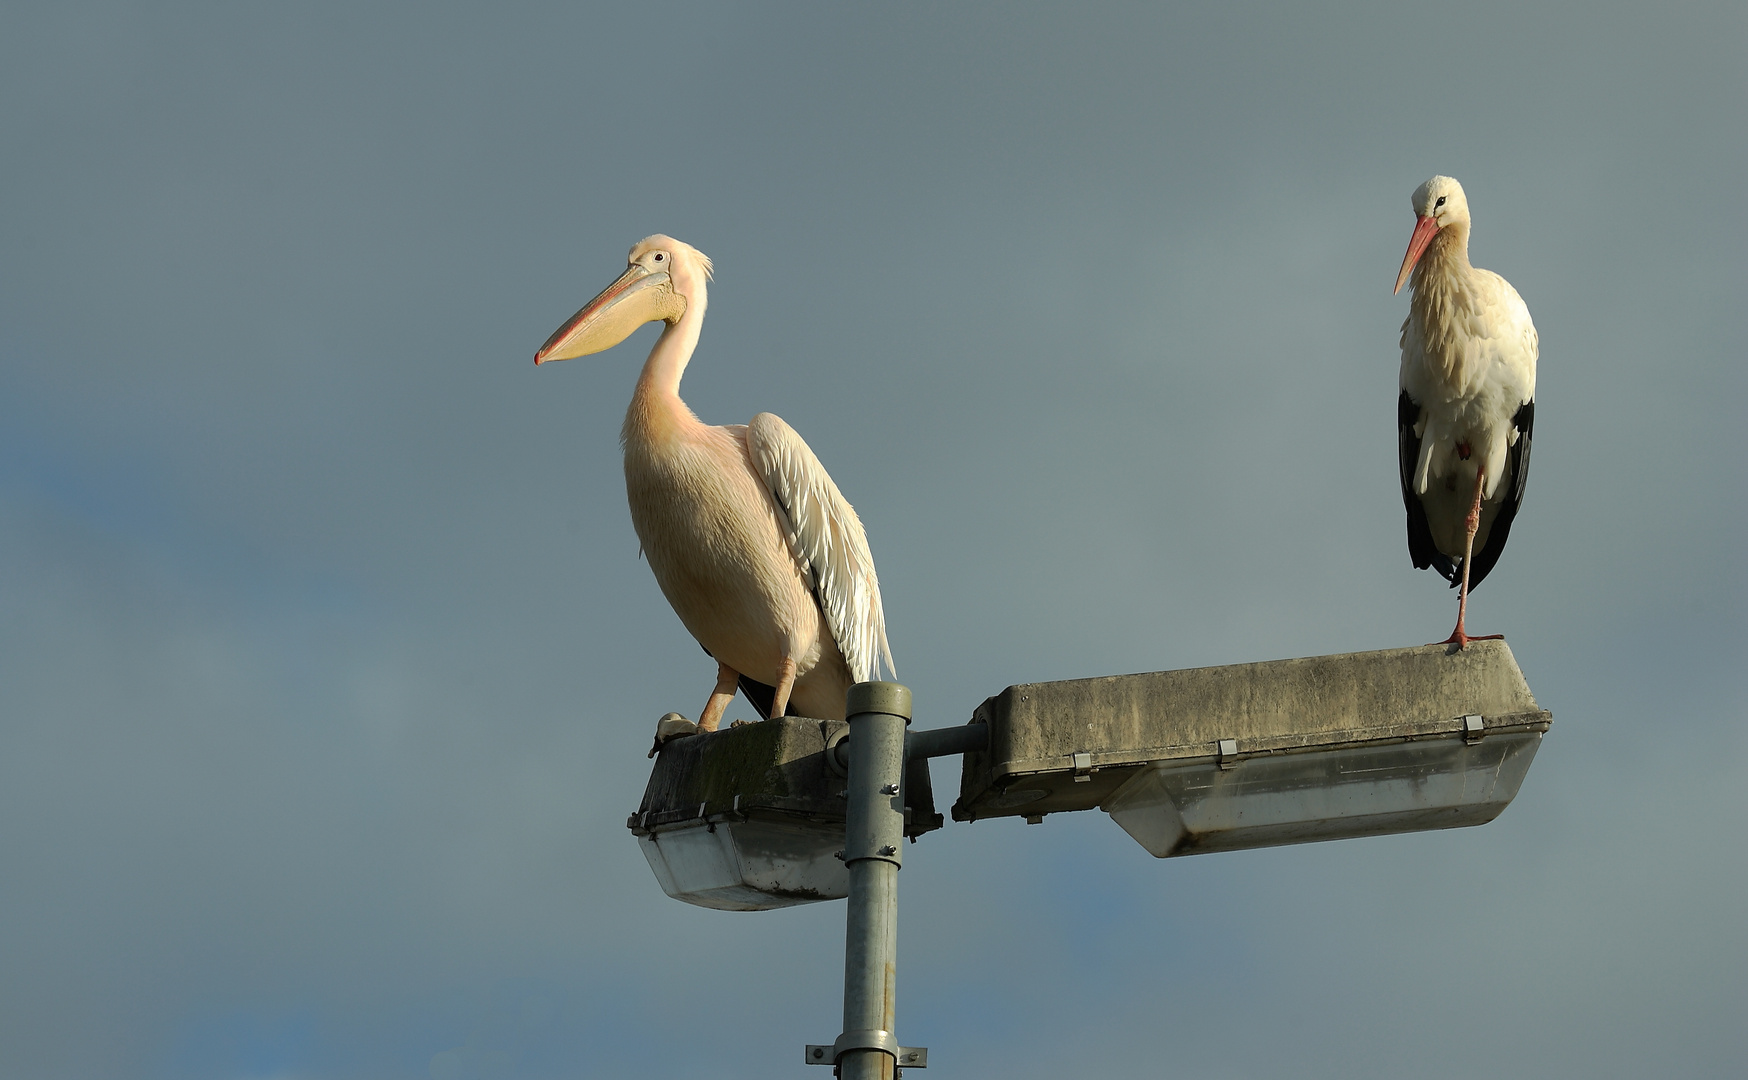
(1190, 761)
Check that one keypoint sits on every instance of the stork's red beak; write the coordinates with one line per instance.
(1424, 230)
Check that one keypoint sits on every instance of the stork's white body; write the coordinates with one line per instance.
(1468, 382)
(1469, 360)
(759, 554)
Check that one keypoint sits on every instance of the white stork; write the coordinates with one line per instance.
(1468, 401)
(761, 557)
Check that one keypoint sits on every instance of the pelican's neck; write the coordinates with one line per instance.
(656, 408)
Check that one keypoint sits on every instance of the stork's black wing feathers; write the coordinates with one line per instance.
(1420, 546)
(1517, 459)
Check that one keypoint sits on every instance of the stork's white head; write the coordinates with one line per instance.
(665, 279)
(1438, 203)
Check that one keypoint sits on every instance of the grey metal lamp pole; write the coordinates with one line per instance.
(879, 748)
(873, 851)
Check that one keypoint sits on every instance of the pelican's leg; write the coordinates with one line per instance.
(727, 680)
(785, 683)
(1471, 523)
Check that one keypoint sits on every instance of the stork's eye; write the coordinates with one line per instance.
(1435, 206)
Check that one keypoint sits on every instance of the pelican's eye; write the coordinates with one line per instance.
(659, 256)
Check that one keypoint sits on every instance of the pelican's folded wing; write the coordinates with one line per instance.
(827, 537)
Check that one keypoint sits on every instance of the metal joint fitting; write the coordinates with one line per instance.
(890, 698)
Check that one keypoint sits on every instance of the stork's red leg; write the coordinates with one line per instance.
(1471, 523)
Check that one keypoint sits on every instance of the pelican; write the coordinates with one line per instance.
(761, 557)
(1468, 401)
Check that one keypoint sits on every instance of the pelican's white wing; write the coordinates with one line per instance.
(827, 537)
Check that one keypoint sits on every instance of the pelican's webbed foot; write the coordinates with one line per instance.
(670, 727)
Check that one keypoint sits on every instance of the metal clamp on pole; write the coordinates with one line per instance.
(907, 1057)
(865, 1040)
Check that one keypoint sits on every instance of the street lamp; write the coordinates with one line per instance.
(794, 810)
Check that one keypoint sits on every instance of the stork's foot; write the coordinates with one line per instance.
(670, 727)
(1460, 639)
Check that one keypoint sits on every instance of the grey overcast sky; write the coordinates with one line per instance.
(327, 662)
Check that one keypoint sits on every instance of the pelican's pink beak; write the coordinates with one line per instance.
(639, 296)
(1424, 230)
